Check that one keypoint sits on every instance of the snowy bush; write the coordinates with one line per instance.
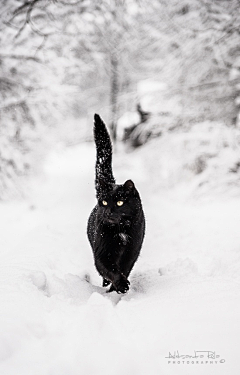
(60, 60)
(202, 159)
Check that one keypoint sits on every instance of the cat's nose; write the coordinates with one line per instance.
(107, 211)
(109, 214)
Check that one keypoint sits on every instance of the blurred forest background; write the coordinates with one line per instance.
(165, 65)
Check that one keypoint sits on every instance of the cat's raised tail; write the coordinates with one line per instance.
(104, 174)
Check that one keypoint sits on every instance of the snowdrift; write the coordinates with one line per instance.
(181, 314)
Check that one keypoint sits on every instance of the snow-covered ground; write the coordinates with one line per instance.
(185, 288)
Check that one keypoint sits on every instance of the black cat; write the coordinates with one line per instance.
(116, 225)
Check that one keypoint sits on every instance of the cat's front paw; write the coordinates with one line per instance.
(122, 285)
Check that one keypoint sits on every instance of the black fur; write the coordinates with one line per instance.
(115, 232)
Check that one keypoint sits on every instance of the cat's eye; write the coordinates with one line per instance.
(119, 203)
(104, 203)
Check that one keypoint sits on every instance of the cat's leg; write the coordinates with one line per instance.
(121, 289)
(111, 273)
(127, 262)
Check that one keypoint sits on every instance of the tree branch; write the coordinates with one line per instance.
(19, 57)
(27, 7)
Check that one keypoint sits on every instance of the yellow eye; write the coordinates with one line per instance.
(104, 203)
(119, 203)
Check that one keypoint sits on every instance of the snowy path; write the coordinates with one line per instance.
(184, 295)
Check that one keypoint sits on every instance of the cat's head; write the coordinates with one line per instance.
(118, 203)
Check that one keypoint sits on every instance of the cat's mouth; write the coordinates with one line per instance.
(111, 220)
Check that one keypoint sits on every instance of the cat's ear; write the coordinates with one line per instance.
(129, 185)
